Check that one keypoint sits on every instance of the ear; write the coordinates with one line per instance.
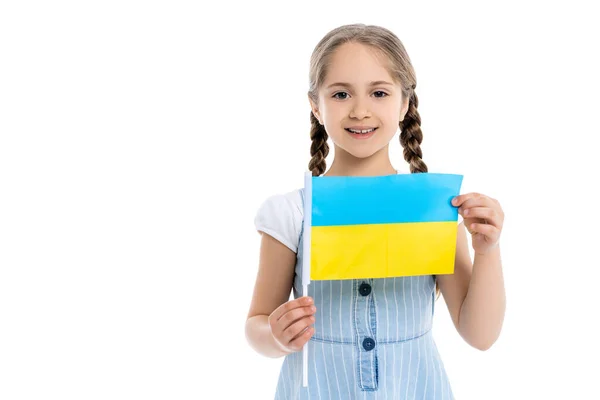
(315, 110)
(404, 108)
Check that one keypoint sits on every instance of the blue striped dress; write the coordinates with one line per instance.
(373, 337)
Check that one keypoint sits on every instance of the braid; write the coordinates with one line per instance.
(411, 136)
(319, 147)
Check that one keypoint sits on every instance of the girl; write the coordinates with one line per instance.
(371, 338)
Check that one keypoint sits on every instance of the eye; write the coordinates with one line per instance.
(383, 93)
(344, 93)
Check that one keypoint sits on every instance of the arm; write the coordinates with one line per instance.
(273, 285)
(475, 294)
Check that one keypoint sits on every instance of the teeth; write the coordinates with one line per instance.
(361, 131)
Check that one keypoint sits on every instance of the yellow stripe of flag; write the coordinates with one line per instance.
(382, 250)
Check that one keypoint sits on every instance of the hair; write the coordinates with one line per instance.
(400, 68)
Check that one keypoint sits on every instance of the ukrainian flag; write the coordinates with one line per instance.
(383, 226)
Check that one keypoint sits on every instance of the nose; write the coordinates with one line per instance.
(359, 109)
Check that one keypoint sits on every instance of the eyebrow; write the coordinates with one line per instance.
(374, 83)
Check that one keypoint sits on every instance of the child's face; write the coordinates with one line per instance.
(359, 104)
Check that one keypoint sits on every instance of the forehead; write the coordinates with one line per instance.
(357, 64)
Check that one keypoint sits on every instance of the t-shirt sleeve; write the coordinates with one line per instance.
(280, 216)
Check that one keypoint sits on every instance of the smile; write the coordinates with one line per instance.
(361, 133)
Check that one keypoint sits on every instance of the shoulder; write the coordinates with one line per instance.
(280, 216)
(284, 203)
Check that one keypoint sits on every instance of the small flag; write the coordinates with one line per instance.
(383, 226)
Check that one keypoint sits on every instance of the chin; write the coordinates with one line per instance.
(361, 153)
(362, 149)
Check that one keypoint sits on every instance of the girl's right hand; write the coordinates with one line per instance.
(291, 323)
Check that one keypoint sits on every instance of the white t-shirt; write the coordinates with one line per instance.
(281, 216)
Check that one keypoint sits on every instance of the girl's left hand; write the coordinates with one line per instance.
(483, 217)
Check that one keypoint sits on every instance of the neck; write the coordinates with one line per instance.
(345, 164)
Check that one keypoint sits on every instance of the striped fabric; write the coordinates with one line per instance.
(372, 340)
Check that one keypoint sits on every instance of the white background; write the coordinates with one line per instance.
(139, 138)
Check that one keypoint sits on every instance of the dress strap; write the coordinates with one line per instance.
(302, 224)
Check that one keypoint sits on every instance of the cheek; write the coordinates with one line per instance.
(333, 112)
(390, 118)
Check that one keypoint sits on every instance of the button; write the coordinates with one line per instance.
(364, 289)
(368, 344)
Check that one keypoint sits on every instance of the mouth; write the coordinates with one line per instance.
(361, 133)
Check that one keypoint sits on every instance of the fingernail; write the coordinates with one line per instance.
(465, 212)
(313, 309)
(454, 201)
(308, 300)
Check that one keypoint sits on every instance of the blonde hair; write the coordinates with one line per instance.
(385, 43)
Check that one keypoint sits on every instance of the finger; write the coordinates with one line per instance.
(297, 328)
(290, 305)
(482, 201)
(292, 316)
(485, 229)
(460, 199)
(298, 343)
(489, 215)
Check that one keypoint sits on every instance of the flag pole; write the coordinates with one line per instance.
(306, 260)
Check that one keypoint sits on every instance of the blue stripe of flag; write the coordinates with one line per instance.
(353, 200)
